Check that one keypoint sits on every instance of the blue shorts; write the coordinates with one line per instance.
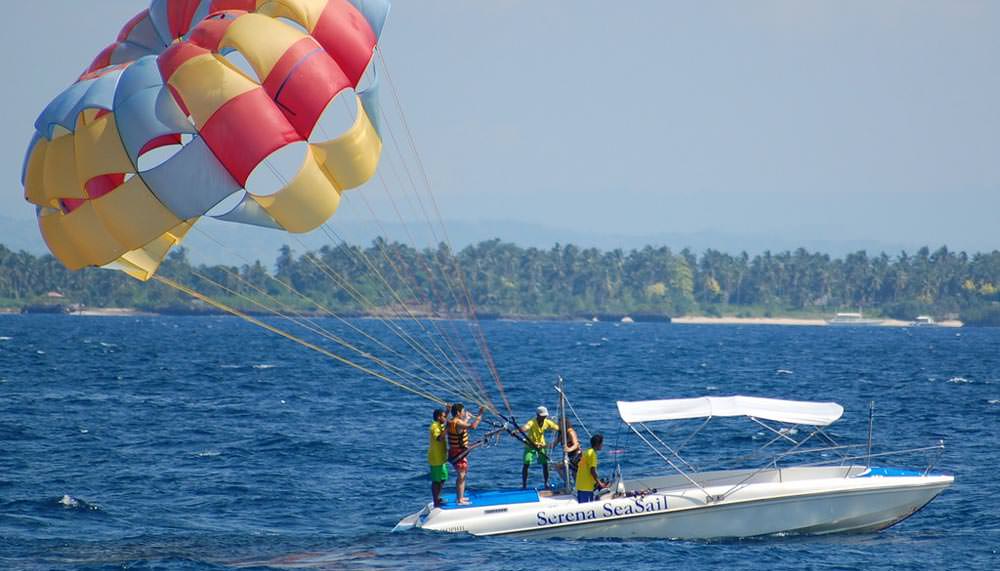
(583, 497)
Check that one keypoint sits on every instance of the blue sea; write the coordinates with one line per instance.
(183, 443)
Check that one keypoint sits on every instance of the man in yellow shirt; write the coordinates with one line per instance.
(587, 479)
(535, 445)
(437, 455)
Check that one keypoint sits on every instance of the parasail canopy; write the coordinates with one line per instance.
(788, 411)
(165, 82)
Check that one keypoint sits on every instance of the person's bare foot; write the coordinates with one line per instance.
(464, 502)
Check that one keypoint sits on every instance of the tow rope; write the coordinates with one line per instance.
(493, 436)
(509, 425)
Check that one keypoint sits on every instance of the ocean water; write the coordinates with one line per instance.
(205, 443)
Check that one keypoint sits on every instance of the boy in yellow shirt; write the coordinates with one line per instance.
(535, 446)
(587, 479)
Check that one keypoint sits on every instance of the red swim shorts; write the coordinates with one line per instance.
(463, 464)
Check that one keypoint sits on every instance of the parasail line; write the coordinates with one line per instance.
(375, 271)
(220, 305)
(381, 247)
(447, 340)
(399, 331)
(431, 273)
(483, 345)
(426, 354)
(309, 255)
(328, 311)
(307, 323)
(455, 373)
(372, 268)
(328, 335)
(469, 305)
(454, 348)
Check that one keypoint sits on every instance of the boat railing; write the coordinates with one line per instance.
(847, 458)
(934, 459)
(842, 459)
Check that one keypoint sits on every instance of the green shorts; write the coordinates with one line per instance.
(439, 473)
(535, 456)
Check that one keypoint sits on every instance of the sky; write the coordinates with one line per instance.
(754, 125)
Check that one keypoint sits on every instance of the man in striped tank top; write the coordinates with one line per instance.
(458, 446)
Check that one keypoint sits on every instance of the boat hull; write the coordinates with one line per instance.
(814, 515)
(804, 506)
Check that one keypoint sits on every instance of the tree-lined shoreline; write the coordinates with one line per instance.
(565, 281)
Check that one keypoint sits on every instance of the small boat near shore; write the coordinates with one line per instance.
(853, 320)
(844, 493)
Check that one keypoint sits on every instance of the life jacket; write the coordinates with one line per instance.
(457, 438)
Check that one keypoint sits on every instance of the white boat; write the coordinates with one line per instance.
(853, 320)
(924, 321)
(843, 495)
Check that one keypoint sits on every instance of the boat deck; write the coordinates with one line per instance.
(490, 498)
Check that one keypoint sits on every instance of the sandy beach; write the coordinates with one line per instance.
(698, 320)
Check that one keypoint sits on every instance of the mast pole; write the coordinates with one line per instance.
(562, 433)
(871, 420)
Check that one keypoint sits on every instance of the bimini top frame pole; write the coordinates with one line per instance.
(667, 460)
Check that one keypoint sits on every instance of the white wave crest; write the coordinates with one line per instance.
(69, 502)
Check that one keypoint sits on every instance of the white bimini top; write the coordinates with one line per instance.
(788, 411)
